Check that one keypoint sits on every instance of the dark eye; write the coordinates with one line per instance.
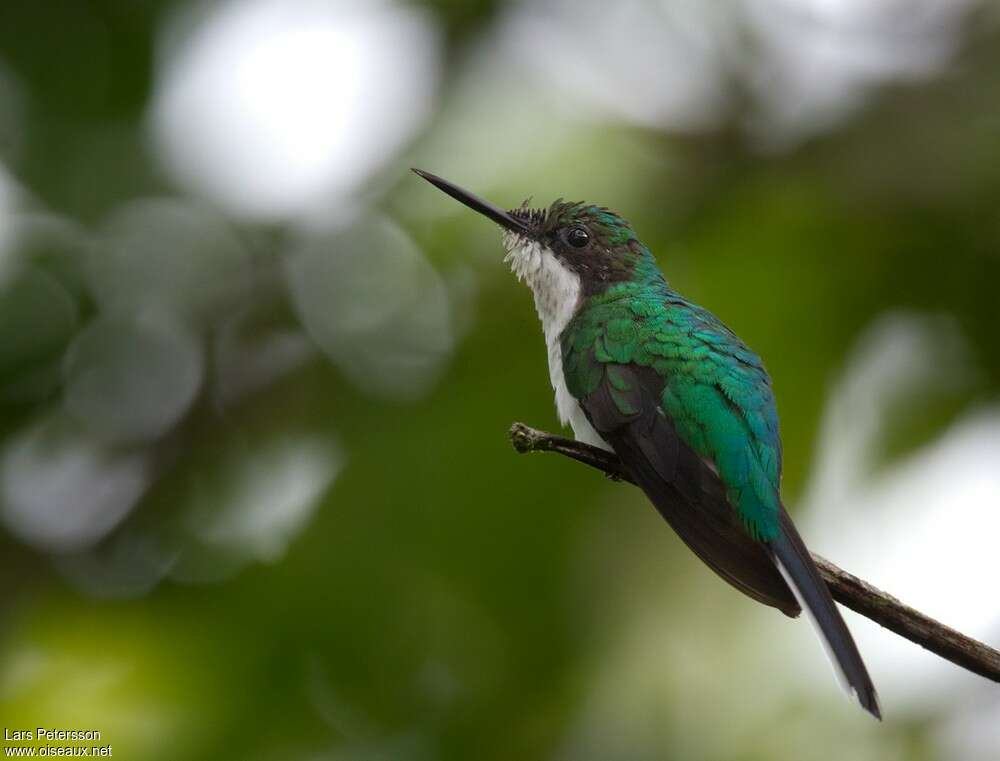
(577, 237)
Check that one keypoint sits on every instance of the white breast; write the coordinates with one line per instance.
(557, 292)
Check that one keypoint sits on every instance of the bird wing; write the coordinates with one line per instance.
(624, 408)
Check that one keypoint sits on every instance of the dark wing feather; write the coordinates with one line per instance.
(624, 408)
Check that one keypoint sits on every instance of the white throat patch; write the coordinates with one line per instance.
(556, 289)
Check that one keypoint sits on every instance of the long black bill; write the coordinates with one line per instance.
(501, 217)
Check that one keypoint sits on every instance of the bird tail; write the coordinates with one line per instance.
(796, 566)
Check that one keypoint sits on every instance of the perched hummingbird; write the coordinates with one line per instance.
(685, 404)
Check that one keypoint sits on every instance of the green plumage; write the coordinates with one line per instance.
(714, 388)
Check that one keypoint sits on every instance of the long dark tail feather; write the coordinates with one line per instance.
(796, 565)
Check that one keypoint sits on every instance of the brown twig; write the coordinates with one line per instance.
(847, 589)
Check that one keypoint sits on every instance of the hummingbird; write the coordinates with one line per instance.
(683, 402)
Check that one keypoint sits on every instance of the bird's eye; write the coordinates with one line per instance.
(577, 237)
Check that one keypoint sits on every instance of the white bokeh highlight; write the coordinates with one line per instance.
(652, 64)
(374, 305)
(787, 69)
(9, 201)
(168, 256)
(818, 61)
(923, 528)
(131, 382)
(270, 495)
(277, 108)
(61, 490)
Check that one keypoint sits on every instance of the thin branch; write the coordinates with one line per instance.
(847, 589)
